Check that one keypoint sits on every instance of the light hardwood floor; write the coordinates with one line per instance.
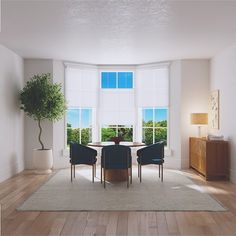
(17, 189)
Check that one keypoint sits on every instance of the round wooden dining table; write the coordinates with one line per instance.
(129, 144)
(116, 175)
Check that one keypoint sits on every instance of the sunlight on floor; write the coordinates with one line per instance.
(207, 189)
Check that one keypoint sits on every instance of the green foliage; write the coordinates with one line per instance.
(160, 132)
(126, 134)
(41, 99)
(162, 123)
(161, 135)
(73, 135)
(70, 134)
(108, 134)
(149, 123)
(85, 136)
(148, 136)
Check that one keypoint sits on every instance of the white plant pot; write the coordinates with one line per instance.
(43, 161)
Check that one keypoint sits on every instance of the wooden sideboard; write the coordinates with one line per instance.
(210, 158)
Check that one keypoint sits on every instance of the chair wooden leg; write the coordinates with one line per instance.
(131, 177)
(159, 171)
(104, 179)
(127, 177)
(162, 173)
(101, 174)
(93, 173)
(71, 172)
(74, 171)
(140, 173)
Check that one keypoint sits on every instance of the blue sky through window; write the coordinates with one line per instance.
(147, 114)
(116, 80)
(73, 118)
(86, 118)
(160, 114)
(125, 80)
(108, 79)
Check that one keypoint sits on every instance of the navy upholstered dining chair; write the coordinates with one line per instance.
(116, 157)
(152, 154)
(80, 154)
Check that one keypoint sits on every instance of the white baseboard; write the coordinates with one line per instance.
(172, 163)
(10, 172)
(184, 163)
(232, 176)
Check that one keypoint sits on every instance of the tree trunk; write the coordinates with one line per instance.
(40, 132)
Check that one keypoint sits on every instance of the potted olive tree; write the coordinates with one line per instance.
(41, 99)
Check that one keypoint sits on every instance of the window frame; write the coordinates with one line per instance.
(153, 127)
(80, 114)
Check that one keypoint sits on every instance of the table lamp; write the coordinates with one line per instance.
(199, 119)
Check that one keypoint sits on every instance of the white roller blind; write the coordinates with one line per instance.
(81, 86)
(152, 87)
(117, 107)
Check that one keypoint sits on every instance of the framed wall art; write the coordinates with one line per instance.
(214, 109)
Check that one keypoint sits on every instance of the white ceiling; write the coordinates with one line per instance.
(118, 31)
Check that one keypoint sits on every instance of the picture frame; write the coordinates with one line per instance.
(214, 109)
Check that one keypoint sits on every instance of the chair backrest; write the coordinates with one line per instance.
(155, 150)
(81, 154)
(116, 157)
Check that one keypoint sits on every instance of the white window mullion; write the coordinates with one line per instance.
(80, 122)
(153, 126)
(116, 80)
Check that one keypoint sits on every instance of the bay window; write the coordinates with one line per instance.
(107, 101)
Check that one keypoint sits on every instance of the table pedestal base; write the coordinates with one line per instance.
(118, 175)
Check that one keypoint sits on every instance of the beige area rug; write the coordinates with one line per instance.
(176, 193)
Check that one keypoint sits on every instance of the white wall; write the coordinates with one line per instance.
(32, 67)
(12, 119)
(59, 161)
(194, 98)
(223, 71)
(189, 91)
(174, 161)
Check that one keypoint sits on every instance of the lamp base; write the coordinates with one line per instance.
(199, 131)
